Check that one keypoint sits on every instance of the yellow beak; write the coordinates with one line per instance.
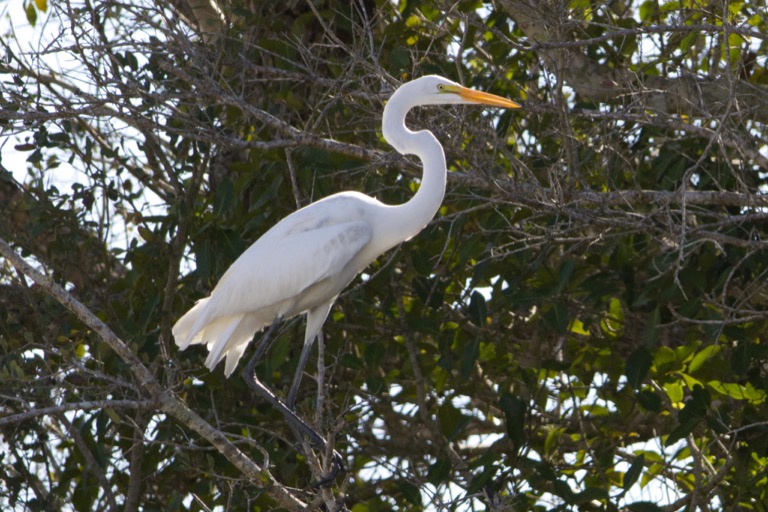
(484, 98)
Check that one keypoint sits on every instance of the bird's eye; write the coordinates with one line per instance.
(440, 87)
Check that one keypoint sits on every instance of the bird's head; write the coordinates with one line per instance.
(436, 90)
(428, 90)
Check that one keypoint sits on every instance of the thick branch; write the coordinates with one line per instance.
(76, 406)
(167, 401)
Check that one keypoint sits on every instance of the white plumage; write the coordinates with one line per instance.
(297, 266)
(308, 258)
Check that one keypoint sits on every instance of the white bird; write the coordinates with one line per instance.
(309, 257)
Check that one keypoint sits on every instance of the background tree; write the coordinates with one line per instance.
(581, 328)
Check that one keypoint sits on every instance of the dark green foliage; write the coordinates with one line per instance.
(582, 327)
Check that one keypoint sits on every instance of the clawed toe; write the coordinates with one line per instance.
(336, 467)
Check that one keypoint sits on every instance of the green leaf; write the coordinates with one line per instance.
(690, 416)
(651, 333)
(682, 430)
(648, 11)
(691, 382)
(410, 492)
(553, 439)
(613, 323)
(578, 327)
(439, 471)
(452, 421)
(399, 58)
(566, 270)
(634, 472)
(644, 506)
(649, 400)
(702, 357)
(36, 157)
(579, 4)
(373, 354)
(146, 233)
(741, 357)
(514, 416)
(699, 401)
(664, 360)
(739, 392)
(31, 13)
(638, 364)
(590, 494)
(564, 490)
(480, 480)
(224, 197)
(412, 21)
(468, 357)
(688, 41)
(557, 318)
(478, 310)
(675, 391)
(683, 353)
(374, 383)
(545, 470)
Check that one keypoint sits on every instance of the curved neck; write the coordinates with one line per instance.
(407, 219)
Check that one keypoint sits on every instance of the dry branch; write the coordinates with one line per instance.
(166, 401)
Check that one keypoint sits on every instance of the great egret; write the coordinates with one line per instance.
(309, 257)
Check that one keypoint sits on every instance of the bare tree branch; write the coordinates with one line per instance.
(165, 400)
(75, 406)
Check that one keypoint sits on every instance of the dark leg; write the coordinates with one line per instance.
(297, 424)
(263, 345)
(291, 402)
(315, 319)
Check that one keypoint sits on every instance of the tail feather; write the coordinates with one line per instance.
(186, 331)
(226, 336)
(233, 356)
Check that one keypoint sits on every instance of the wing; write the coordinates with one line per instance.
(280, 269)
(303, 248)
(268, 280)
(313, 245)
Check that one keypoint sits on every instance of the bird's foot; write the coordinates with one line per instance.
(308, 438)
(337, 462)
(337, 466)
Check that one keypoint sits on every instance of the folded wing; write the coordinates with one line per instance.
(282, 274)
